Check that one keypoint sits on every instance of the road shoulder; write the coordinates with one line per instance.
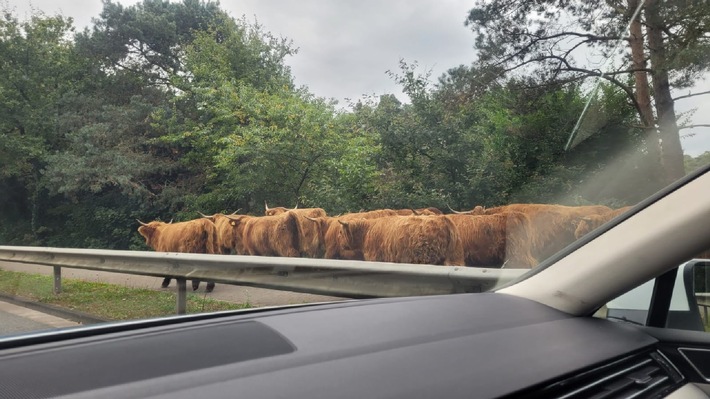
(36, 316)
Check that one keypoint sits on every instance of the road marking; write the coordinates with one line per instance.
(34, 315)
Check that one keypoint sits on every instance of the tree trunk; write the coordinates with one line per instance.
(643, 95)
(671, 150)
(638, 61)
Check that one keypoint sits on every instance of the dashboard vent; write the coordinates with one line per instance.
(649, 375)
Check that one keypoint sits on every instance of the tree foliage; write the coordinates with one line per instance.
(163, 109)
(536, 37)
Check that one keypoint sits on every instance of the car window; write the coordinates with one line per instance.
(688, 309)
(701, 289)
(310, 151)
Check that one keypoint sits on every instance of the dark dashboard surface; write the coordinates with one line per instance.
(466, 345)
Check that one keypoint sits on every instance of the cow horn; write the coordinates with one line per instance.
(346, 224)
(142, 224)
(451, 209)
(414, 211)
(171, 221)
(296, 207)
(203, 215)
(266, 205)
(239, 209)
(310, 218)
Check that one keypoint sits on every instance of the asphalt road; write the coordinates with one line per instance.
(17, 320)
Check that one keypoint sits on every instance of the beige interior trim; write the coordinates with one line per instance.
(704, 387)
(688, 391)
(654, 240)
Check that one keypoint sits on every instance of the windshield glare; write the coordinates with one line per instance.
(356, 149)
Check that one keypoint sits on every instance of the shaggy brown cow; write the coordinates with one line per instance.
(589, 223)
(585, 210)
(324, 233)
(553, 226)
(195, 236)
(377, 213)
(429, 240)
(428, 211)
(421, 211)
(317, 231)
(267, 235)
(228, 235)
(334, 241)
(309, 242)
(310, 212)
(405, 212)
(308, 236)
(495, 240)
(332, 233)
(311, 235)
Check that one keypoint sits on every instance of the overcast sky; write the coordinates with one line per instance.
(346, 47)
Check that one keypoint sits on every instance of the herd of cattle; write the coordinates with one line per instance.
(511, 236)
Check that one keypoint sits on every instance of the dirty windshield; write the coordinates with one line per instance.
(169, 157)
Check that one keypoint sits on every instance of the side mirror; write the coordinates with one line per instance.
(701, 288)
(691, 293)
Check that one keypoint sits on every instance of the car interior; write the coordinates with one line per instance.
(535, 337)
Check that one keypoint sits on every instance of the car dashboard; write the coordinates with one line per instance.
(466, 345)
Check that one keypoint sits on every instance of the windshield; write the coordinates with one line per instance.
(317, 151)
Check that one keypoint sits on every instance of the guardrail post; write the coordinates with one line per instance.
(181, 304)
(57, 280)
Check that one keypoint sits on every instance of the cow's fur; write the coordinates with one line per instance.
(591, 222)
(333, 239)
(430, 240)
(311, 235)
(310, 212)
(267, 235)
(228, 236)
(194, 236)
(495, 240)
(428, 211)
(553, 226)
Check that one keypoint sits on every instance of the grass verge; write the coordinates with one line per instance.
(106, 301)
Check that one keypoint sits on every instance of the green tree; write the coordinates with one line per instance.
(147, 39)
(693, 163)
(86, 143)
(467, 141)
(245, 132)
(527, 35)
(36, 57)
(351, 178)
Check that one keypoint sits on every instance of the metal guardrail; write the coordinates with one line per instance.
(351, 279)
